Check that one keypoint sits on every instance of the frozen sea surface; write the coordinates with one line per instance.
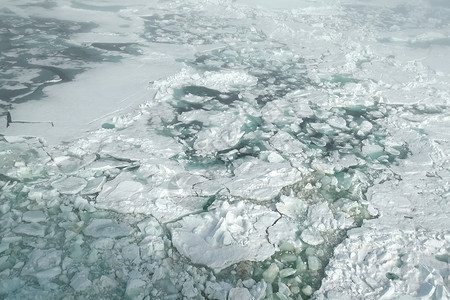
(225, 150)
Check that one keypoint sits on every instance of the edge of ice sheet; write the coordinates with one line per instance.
(115, 88)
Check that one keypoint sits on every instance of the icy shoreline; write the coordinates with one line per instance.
(308, 157)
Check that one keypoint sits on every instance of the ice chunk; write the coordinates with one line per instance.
(274, 157)
(364, 128)
(426, 289)
(168, 198)
(227, 80)
(322, 128)
(271, 273)
(82, 204)
(119, 189)
(284, 231)
(287, 272)
(43, 264)
(94, 186)
(239, 294)
(372, 150)
(32, 229)
(70, 185)
(107, 228)
(34, 216)
(130, 252)
(189, 290)
(337, 122)
(283, 291)
(258, 291)
(259, 180)
(312, 237)
(135, 288)
(441, 293)
(68, 164)
(292, 206)
(287, 144)
(307, 290)
(80, 281)
(223, 134)
(226, 235)
(9, 285)
(217, 290)
(321, 217)
(103, 244)
(314, 263)
(105, 282)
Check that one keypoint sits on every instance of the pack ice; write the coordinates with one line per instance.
(296, 151)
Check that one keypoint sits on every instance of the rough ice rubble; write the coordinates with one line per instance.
(410, 242)
(228, 234)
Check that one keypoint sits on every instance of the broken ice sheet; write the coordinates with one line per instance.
(43, 264)
(70, 185)
(107, 228)
(168, 198)
(228, 234)
(259, 180)
(22, 158)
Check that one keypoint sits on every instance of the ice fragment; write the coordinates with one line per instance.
(107, 228)
(34, 216)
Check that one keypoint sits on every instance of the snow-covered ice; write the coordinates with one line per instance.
(225, 149)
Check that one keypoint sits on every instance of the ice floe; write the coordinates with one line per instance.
(230, 233)
(293, 153)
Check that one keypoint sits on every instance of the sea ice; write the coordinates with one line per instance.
(285, 231)
(239, 294)
(281, 128)
(70, 185)
(32, 229)
(312, 237)
(259, 180)
(271, 273)
(34, 216)
(94, 185)
(168, 198)
(43, 263)
(107, 228)
(228, 234)
(80, 281)
(321, 217)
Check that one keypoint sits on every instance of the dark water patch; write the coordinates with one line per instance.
(253, 124)
(32, 44)
(44, 46)
(85, 54)
(226, 98)
(182, 106)
(275, 78)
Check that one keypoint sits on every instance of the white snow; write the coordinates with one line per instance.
(230, 233)
(245, 150)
